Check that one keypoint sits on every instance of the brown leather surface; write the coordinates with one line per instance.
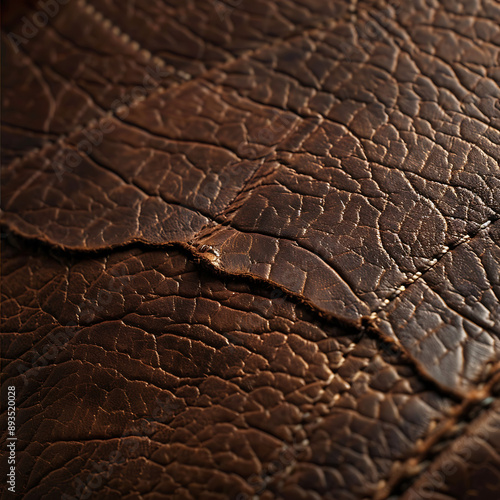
(469, 469)
(256, 384)
(282, 219)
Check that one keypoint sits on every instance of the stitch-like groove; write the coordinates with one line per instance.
(416, 276)
(183, 74)
(125, 38)
(106, 23)
(485, 224)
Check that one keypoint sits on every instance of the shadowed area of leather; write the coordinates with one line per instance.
(339, 164)
(470, 469)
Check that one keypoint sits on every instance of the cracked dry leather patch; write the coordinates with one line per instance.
(257, 244)
(248, 390)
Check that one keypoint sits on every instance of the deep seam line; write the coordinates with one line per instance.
(463, 411)
(415, 277)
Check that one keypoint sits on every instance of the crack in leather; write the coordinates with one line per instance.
(360, 294)
(307, 364)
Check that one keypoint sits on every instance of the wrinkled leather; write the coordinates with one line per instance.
(303, 215)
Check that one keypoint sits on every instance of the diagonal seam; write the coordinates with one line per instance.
(430, 448)
(108, 25)
(434, 261)
(99, 17)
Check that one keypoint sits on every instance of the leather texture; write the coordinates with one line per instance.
(252, 249)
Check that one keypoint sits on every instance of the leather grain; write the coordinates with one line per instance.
(471, 465)
(238, 383)
(254, 248)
